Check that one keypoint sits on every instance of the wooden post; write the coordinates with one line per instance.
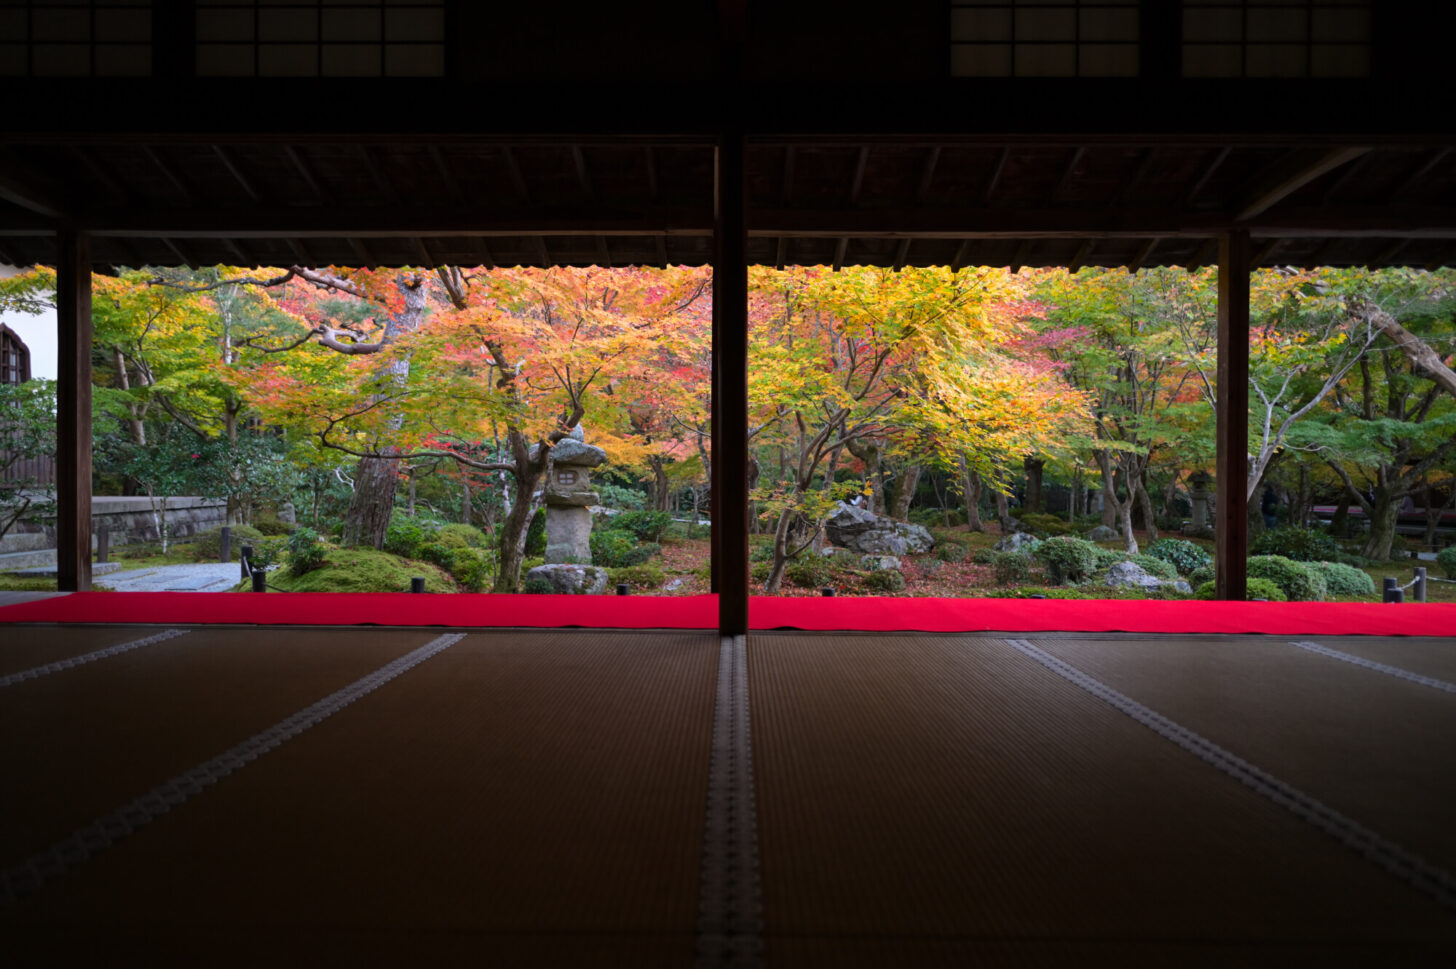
(1231, 515)
(73, 411)
(730, 390)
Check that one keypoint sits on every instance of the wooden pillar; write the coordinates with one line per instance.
(73, 411)
(1231, 517)
(730, 390)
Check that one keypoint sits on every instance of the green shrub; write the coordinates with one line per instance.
(1067, 559)
(1107, 557)
(536, 534)
(272, 525)
(305, 551)
(471, 567)
(1183, 555)
(984, 556)
(405, 535)
(950, 551)
(759, 571)
(1298, 582)
(362, 570)
(208, 546)
(1154, 566)
(885, 580)
(1011, 567)
(640, 576)
(616, 496)
(1200, 575)
(1298, 544)
(615, 549)
(266, 552)
(810, 571)
(1257, 589)
(1046, 524)
(463, 536)
(1343, 580)
(648, 526)
(1446, 559)
(537, 586)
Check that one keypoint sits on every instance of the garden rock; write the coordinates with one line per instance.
(863, 531)
(876, 563)
(572, 451)
(1129, 575)
(1102, 534)
(1015, 542)
(569, 580)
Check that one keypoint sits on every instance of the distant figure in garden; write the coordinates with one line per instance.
(1269, 507)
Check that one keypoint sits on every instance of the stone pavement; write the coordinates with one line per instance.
(204, 577)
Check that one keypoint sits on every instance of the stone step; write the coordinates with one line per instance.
(31, 559)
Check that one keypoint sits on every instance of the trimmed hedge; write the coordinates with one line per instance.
(208, 545)
(1298, 582)
(1446, 559)
(1298, 544)
(1343, 580)
(1257, 589)
(1068, 559)
(1183, 555)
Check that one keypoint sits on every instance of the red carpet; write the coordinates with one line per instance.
(700, 612)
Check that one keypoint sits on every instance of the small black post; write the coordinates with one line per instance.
(1418, 589)
(827, 592)
(623, 589)
(245, 555)
(260, 580)
(103, 544)
(417, 584)
(1390, 591)
(225, 544)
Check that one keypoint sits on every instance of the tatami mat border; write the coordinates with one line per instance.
(65, 664)
(24, 878)
(1396, 671)
(1426, 877)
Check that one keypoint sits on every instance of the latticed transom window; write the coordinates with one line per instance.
(1044, 38)
(1276, 38)
(14, 358)
(76, 38)
(321, 38)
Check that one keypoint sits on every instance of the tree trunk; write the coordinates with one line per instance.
(465, 499)
(525, 502)
(905, 491)
(1145, 503)
(869, 451)
(1003, 512)
(661, 488)
(376, 479)
(1340, 521)
(971, 489)
(1109, 489)
(1033, 468)
(1382, 526)
(780, 553)
(755, 471)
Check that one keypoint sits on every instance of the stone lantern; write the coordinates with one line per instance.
(1199, 481)
(568, 496)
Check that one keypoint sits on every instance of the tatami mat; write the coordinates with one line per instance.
(1375, 748)
(1425, 656)
(517, 799)
(945, 798)
(26, 647)
(79, 743)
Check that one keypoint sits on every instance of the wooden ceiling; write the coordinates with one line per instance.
(1068, 201)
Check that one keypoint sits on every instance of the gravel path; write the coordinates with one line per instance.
(206, 577)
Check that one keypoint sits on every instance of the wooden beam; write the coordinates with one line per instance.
(1205, 254)
(902, 254)
(1018, 259)
(170, 173)
(1143, 254)
(659, 248)
(841, 249)
(73, 412)
(995, 179)
(305, 171)
(103, 176)
(730, 389)
(1079, 258)
(1385, 256)
(231, 164)
(1065, 181)
(1198, 183)
(1266, 251)
(19, 188)
(856, 183)
(1144, 165)
(927, 174)
(447, 177)
(366, 258)
(959, 259)
(649, 165)
(1421, 171)
(377, 176)
(300, 251)
(1288, 178)
(943, 222)
(787, 192)
(583, 177)
(1231, 515)
(513, 171)
(604, 255)
(779, 251)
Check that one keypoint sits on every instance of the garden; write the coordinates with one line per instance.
(919, 432)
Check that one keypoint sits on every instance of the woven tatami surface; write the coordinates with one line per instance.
(946, 800)
(538, 798)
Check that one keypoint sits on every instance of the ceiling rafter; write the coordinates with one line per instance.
(306, 172)
(1019, 257)
(1290, 176)
(1421, 171)
(25, 188)
(927, 173)
(994, 181)
(787, 191)
(231, 164)
(841, 248)
(1129, 185)
(171, 174)
(447, 177)
(856, 182)
(376, 175)
(1144, 253)
(513, 172)
(1214, 164)
(1065, 182)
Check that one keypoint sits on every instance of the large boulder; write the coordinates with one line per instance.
(1102, 534)
(1016, 542)
(568, 580)
(878, 563)
(867, 533)
(1130, 575)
